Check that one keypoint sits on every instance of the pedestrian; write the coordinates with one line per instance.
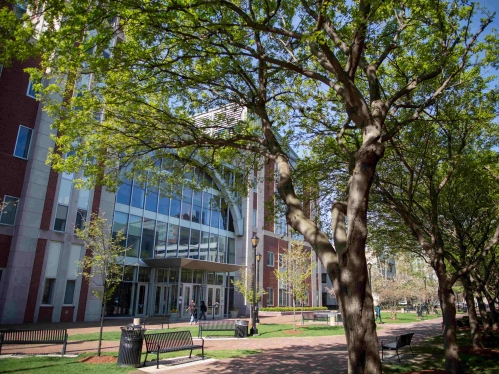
(378, 314)
(203, 309)
(193, 310)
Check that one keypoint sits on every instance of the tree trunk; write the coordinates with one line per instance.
(294, 314)
(483, 313)
(355, 298)
(102, 313)
(448, 304)
(476, 336)
(493, 312)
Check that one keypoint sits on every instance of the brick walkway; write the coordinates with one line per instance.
(324, 354)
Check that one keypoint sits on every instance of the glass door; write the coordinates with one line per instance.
(186, 300)
(141, 300)
(160, 304)
(214, 304)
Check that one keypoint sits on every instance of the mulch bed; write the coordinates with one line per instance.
(485, 352)
(99, 360)
(291, 332)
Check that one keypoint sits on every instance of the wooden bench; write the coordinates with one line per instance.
(170, 342)
(400, 341)
(12, 336)
(312, 316)
(156, 320)
(223, 325)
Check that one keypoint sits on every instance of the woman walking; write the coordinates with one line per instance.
(203, 309)
(193, 309)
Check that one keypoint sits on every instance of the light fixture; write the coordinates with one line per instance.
(254, 240)
(258, 257)
(369, 265)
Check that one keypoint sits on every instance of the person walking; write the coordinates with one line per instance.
(378, 314)
(193, 310)
(203, 309)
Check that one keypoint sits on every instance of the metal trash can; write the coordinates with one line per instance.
(132, 338)
(241, 329)
(339, 318)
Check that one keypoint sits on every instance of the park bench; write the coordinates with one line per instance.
(221, 325)
(156, 320)
(312, 316)
(170, 342)
(400, 341)
(12, 336)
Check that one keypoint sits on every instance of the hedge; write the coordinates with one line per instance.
(290, 309)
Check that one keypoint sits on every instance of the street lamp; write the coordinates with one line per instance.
(254, 243)
(258, 258)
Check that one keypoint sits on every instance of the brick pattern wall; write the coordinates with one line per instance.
(268, 196)
(45, 314)
(5, 242)
(82, 303)
(35, 281)
(67, 313)
(48, 205)
(271, 244)
(15, 109)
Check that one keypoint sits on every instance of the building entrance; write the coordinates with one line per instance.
(214, 301)
(141, 300)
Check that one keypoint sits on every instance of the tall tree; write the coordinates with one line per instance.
(352, 72)
(104, 267)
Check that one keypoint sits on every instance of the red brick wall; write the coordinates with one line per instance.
(268, 196)
(67, 313)
(271, 244)
(35, 281)
(45, 314)
(5, 242)
(48, 205)
(82, 303)
(15, 109)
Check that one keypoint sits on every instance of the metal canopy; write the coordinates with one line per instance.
(189, 263)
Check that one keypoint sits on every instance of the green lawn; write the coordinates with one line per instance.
(50, 365)
(265, 331)
(430, 355)
(406, 317)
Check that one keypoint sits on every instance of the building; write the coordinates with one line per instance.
(181, 247)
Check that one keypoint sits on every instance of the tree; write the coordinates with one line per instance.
(244, 284)
(104, 267)
(294, 271)
(347, 74)
(433, 189)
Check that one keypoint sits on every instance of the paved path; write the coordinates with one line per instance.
(294, 354)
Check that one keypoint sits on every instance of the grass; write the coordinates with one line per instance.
(49, 365)
(265, 331)
(406, 317)
(430, 354)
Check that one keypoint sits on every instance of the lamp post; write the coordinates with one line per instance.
(424, 280)
(254, 243)
(258, 258)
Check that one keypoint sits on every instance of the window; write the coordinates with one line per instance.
(282, 297)
(81, 213)
(70, 291)
(23, 142)
(9, 210)
(31, 90)
(63, 199)
(270, 259)
(270, 296)
(324, 277)
(255, 184)
(280, 260)
(48, 291)
(1, 270)
(1, 68)
(254, 217)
